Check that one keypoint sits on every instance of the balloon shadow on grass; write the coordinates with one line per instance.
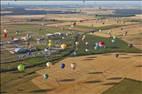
(139, 66)
(93, 81)
(67, 80)
(114, 78)
(111, 83)
(95, 72)
(41, 90)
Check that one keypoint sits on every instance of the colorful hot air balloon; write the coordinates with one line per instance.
(21, 67)
(62, 66)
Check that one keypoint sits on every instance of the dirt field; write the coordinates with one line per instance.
(94, 74)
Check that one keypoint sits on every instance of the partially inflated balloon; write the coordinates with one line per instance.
(21, 67)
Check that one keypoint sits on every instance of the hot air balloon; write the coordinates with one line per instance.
(101, 44)
(63, 37)
(114, 37)
(73, 66)
(5, 33)
(76, 43)
(48, 64)
(62, 66)
(83, 37)
(63, 46)
(49, 44)
(45, 76)
(86, 43)
(49, 41)
(21, 67)
(86, 50)
(113, 41)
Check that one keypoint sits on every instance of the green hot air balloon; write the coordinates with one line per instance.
(21, 67)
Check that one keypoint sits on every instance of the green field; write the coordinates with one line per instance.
(118, 46)
(127, 86)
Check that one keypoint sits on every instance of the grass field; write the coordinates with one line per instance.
(118, 46)
(126, 86)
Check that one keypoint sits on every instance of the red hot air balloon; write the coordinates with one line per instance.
(5, 35)
(101, 44)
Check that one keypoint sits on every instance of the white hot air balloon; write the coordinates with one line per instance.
(113, 41)
(76, 43)
(86, 43)
(114, 37)
(86, 50)
(48, 64)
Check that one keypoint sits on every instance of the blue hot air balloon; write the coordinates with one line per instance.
(62, 66)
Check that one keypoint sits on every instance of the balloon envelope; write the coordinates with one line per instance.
(63, 46)
(49, 44)
(73, 65)
(21, 67)
(48, 64)
(86, 50)
(112, 40)
(45, 76)
(101, 44)
(62, 66)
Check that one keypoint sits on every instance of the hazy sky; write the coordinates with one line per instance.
(70, 2)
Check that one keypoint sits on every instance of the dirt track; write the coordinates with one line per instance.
(94, 74)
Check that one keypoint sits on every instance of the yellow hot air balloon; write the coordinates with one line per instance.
(49, 44)
(63, 46)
